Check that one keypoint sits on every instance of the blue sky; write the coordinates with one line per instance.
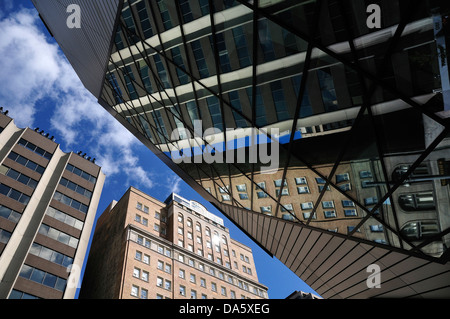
(40, 89)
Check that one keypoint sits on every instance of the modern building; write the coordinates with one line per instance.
(48, 203)
(302, 295)
(320, 128)
(148, 249)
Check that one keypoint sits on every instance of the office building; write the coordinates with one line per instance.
(48, 202)
(148, 249)
(334, 114)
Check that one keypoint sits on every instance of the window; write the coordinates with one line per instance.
(284, 192)
(350, 212)
(306, 216)
(327, 204)
(58, 235)
(365, 174)
(165, 17)
(370, 201)
(35, 149)
(192, 278)
(213, 287)
(279, 100)
(138, 255)
(26, 162)
(342, 177)
(63, 217)
(193, 294)
(199, 59)
(417, 230)
(303, 190)
(137, 273)
(14, 194)
(348, 203)
(186, 11)
(144, 293)
(301, 181)
(224, 60)
(77, 188)
(376, 228)
(215, 112)
(261, 194)
(417, 201)
(241, 46)
(182, 290)
(42, 277)
(308, 205)
(70, 202)
(329, 213)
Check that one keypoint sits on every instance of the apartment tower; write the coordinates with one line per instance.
(349, 98)
(176, 249)
(48, 203)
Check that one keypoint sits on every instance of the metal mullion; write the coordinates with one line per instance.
(301, 94)
(220, 93)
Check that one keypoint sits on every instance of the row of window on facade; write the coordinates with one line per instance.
(142, 293)
(166, 267)
(261, 190)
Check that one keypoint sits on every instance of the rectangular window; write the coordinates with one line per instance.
(199, 59)
(181, 70)
(14, 194)
(70, 202)
(329, 213)
(164, 14)
(35, 149)
(215, 112)
(328, 204)
(75, 187)
(241, 47)
(303, 189)
(17, 176)
(144, 19)
(26, 162)
(350, 212)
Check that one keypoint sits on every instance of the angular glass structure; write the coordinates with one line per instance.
(300, 120)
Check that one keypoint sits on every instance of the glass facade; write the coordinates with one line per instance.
(354, 118)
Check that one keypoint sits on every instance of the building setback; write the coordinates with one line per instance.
(148, 249)
(48, 203)
(356, 114)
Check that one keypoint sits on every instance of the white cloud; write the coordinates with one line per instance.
(37, 78)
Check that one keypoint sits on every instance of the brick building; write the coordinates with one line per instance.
(148, 249)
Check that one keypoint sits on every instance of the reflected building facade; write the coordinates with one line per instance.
(354, 117)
